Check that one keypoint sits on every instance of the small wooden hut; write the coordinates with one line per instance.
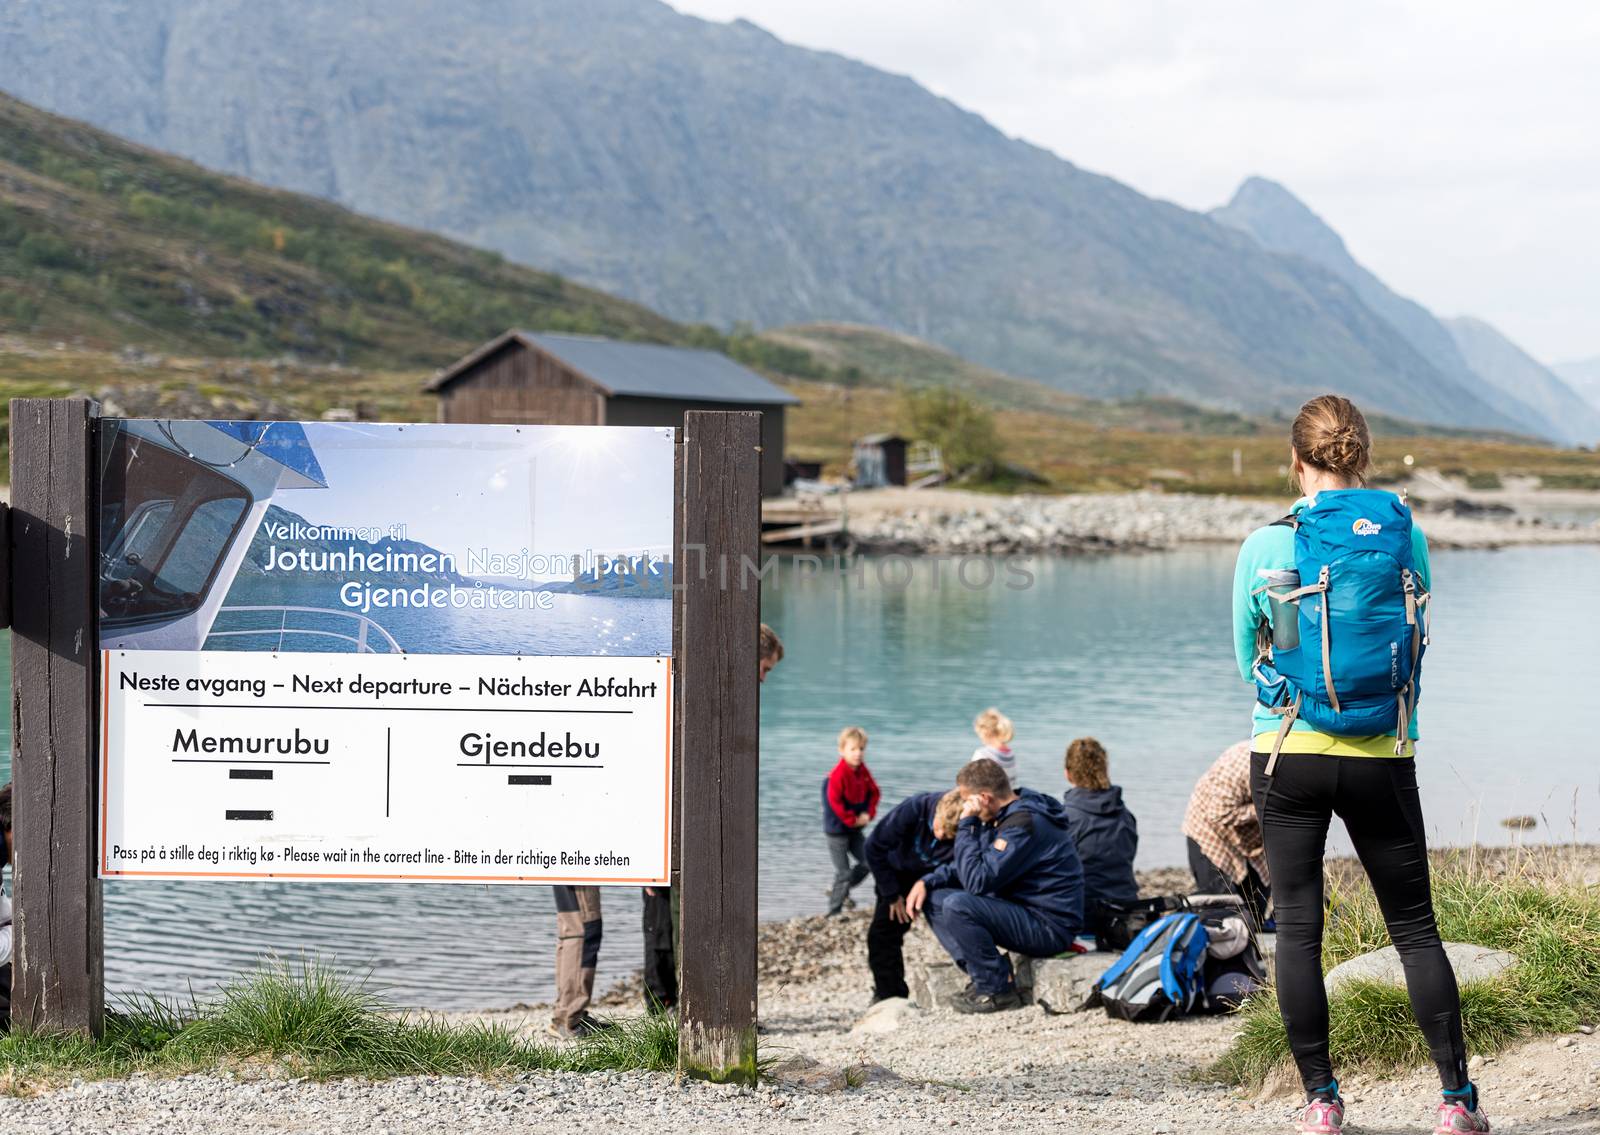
(880, 460)
(558, 379)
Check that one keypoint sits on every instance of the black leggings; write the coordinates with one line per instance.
(1377, 799)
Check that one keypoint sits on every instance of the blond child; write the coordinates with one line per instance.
(995, 731)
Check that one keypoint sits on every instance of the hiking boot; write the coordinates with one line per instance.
(1454, 1117)
(584, 1027)
(1322, 1117)
(969, 1000)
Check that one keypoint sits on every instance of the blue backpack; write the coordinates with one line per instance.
(1351, 661)
(1160, 975)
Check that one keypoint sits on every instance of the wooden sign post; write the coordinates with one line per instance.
(52, 591)
(58, 982)
(720, 611)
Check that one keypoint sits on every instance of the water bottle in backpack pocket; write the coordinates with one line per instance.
(1279, 583)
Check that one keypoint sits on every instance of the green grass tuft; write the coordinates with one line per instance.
(312, 1021)
(1550, 923)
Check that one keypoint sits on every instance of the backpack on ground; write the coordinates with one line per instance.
(1160, 976)
(1235, 965)
(1351, 664)
(1119, 923)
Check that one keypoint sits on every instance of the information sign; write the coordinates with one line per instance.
(350, 651)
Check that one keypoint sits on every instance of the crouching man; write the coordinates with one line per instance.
(913, 839)
(1013, 882)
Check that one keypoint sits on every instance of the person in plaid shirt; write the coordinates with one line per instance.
(1224, 835)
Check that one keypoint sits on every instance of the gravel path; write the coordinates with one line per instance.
(1022, 1073)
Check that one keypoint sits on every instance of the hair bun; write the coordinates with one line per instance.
(1331, 434)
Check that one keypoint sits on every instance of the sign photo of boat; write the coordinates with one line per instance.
(385, 539)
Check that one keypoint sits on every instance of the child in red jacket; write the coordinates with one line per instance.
(849, 803)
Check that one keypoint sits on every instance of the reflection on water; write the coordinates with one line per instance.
(1134, 649)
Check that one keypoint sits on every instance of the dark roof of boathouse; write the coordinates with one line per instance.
(636, 370)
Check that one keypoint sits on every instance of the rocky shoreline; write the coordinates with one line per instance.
(966, 523)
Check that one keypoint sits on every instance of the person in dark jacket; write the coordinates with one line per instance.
(916, 836)
(1104, 831)
(1013, 881)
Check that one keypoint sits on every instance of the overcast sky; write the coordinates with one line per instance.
(1455, 146)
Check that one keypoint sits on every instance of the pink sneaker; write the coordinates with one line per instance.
(1454, 1118)
(1324, 1117)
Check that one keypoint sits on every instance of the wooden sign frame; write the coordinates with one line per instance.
(48, 581)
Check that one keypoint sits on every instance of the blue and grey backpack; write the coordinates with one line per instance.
(1350, 663)
(1161, 975)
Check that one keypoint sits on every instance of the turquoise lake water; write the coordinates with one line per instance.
(1134, 649)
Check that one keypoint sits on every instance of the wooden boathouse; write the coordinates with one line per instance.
(549, 378)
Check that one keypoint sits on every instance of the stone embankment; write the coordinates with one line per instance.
(966, 523)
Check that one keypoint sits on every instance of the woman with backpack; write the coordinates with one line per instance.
(1329, 620)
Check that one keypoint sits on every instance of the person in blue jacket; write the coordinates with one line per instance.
(1013, 881)
(914, 838)
(1104, 831)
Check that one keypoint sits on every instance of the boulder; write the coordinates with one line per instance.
(885, 1016)
(935, 984)
(1471, 963)
(1059, 985)
(807, 1074)
(802, 1073)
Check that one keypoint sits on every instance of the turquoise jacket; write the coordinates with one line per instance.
(1272, 549)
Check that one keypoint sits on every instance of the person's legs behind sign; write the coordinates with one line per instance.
(5, 910)
(578, 932)
(660, 959)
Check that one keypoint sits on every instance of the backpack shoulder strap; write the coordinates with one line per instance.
(1290, 521)
(1181, 958)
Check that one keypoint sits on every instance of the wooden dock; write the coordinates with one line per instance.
(805, 522)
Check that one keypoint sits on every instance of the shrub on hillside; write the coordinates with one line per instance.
(963, 430)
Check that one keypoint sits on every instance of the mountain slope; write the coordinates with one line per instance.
(891, 359)
(115, 244)
(715, 173)
(1501, 362)
(1583, 376)
(1282, 222)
